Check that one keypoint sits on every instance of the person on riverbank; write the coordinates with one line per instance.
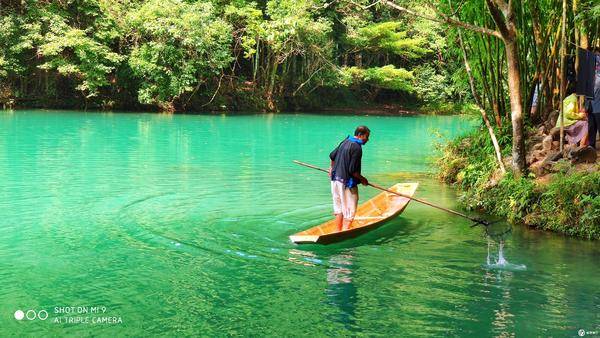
(345, 173)
(575, 121)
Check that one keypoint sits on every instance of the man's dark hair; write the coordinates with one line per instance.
(361, 130)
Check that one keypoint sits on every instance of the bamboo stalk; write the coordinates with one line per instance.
(563, 80)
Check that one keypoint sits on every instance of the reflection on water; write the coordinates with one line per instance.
(341, 291)
(496, 283)
(305, 258)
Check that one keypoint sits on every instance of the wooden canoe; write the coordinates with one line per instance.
(369, 216)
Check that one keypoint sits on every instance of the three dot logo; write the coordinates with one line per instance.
(19, 315)
(31, 315)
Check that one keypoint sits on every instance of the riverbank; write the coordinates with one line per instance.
(327, 103)
(390, 109)
(564, 198)
(360, 110)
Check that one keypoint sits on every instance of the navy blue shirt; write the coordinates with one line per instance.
(347, 158)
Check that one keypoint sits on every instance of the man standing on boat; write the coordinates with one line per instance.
(345, 175)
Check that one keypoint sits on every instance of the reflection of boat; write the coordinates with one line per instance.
(369, 216)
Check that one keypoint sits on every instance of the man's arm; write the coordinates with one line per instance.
(355, 167)
(363, 180)
(331, 167)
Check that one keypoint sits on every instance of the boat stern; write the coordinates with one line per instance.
(304, 239)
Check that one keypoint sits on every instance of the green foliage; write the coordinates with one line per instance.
(513, 198)
(432, 33)
(569, 204)
(271, 52)
(247, 19)
(387, 77)
(8, 32)
(589, 13)
(431, 86)
(385, 37)
(279, 35)
(449, 108)
(178, 45)
(76, 53)
(470, 160)
(17, 36)
(293, 31)
(590, 217)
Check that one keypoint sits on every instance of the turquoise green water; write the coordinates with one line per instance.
(179, 225)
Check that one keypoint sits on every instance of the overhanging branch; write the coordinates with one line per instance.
(445, 19)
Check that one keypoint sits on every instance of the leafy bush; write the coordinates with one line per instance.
(178, 45)
(432, 86)
(78, 53)
(385, 37)
(470, 159)
(569, 203)
(387, 77)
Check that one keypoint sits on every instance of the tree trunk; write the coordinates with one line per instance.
(582, 40)
(256, 59)
(271, 85)
(516, 108)
(358, 60)
(563, 73)
(505, 19)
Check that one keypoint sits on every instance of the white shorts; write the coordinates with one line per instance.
(345, 200)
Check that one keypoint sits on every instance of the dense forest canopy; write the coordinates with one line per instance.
(185, 55)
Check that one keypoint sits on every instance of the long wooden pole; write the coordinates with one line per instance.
(477, 221)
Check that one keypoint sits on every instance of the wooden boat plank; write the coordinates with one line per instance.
(369, 215)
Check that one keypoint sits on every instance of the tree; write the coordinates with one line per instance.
(177, 46)
(73, 52)
(287, 41)
(504, 17)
